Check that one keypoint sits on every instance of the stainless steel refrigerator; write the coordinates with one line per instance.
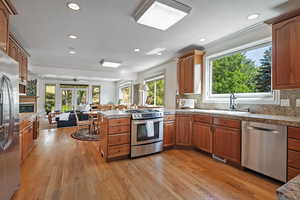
(9, 127)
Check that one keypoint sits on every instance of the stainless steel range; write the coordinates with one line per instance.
(146, 132)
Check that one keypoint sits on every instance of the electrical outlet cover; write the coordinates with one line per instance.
(297, 103)
(285, 102)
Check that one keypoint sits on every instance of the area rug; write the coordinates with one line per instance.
(84, 135)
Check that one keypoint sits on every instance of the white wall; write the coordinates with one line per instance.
(107, 91)
(170, 70)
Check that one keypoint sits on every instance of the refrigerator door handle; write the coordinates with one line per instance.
(8, 138)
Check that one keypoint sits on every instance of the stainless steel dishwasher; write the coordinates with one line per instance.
(264, 149)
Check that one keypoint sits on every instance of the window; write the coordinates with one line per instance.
(155, 91)
(96, 94)
(125, 95)
(49, 97)
(245, 71)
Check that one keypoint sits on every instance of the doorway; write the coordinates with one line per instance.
(73, 98)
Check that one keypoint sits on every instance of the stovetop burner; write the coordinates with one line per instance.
(142, 111)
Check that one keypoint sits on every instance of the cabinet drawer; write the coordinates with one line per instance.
(202, 118)
(293, 144)
(230, 123)
(169, 117)
(118, 122)
(294, 159)
(119, 150)
(118, 129)
(119, 139)
(292, 173)
(294, 133)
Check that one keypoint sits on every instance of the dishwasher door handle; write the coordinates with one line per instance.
(263, 129)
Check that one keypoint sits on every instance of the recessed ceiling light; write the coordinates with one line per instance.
(159, 53)
(161, 14)
(73, 6)
(202, 39)
(112, 64)
(72, 52)
(72, 36)
(137, 50)
(253, 16)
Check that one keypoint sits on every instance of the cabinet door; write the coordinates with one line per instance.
(202, 137)
(13, 50)
(184, 130)
(25, 67)
(4, 19)
(286, 51)
(227, 143)
(189, 74)
(169, 133)
(180, 76)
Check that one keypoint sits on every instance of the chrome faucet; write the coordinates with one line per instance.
(232, 105)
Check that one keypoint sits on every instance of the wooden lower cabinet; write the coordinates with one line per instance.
(26, 139)
(169, 133)
(184, 130)
(202, 137)
(293, 160)
(116, 138)
(227, 143)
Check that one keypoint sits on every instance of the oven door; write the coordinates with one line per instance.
(146, 131)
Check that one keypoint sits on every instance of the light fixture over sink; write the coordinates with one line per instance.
(110, 63)
(161, 14)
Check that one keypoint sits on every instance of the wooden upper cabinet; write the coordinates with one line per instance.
(189, 72)
(16, 52)
(4, 23)
(6, 9)
(184, 130)
(286, 51)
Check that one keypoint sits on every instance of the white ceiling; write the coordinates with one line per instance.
(106, 29)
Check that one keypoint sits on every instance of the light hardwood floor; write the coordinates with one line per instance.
(61, 168)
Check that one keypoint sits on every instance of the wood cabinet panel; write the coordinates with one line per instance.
(294, 159)
(119, 150)
(118, 129)
(294, 144)
(227, 143)
(184, 130)
(13, 50)
(188, 75)
(286, 51)
(118, 122)
(292, 173)
(202, 137)
(119, 139)
(294, 132)
(169, 133)
(203, 119)
(27, 140)
(230, 123)
(4, 29)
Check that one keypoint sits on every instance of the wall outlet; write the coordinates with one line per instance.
(297, 103)
(285, 102)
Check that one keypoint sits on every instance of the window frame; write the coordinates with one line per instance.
(155, 78)
(272, 97)
(45, 93)
(123, 85)
(96, 86)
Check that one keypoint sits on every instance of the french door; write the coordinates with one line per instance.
(73, 98)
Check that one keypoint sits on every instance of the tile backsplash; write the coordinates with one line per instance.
(293, 96)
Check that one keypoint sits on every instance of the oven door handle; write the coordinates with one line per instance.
(145, 121)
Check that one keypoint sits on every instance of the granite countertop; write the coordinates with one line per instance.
(115, 114)
(27, 116)
(247, 116)
(290, 190)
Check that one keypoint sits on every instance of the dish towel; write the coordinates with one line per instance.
(150, 128)
(64, 116)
